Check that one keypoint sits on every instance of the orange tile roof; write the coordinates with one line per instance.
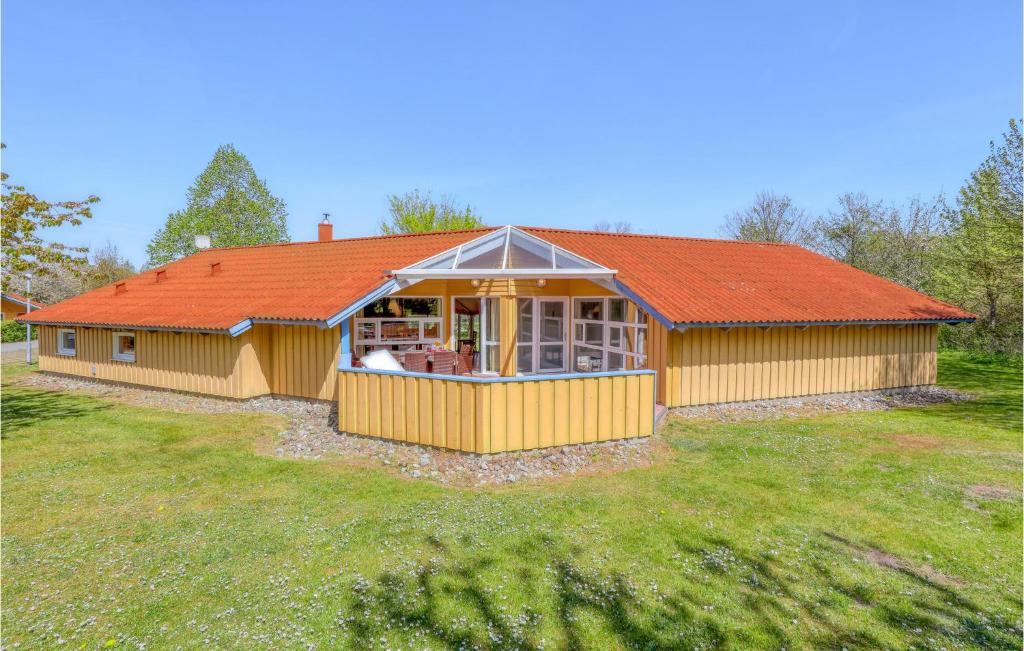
(685, 280)
(703, 281)
(297, 281)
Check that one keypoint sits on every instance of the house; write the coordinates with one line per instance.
(14, 305)
(575, 336)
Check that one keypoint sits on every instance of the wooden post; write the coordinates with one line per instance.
(345, 354)
(507, 335)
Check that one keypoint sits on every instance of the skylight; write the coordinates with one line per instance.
(507, 251)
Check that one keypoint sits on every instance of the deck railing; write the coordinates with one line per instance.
(496, 414)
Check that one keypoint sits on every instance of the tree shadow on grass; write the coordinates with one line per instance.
(22, 408)
(463, 602)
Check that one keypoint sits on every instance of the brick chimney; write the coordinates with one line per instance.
(325, 230)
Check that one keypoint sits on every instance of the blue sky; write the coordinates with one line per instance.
(667, 115)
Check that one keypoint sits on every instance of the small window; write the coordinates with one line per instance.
(367, 330)
(616, 309)
(124, 346)
(400, 330)
(66, 342)
(432, 330)
(590, 310)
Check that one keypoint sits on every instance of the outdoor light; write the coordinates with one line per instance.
(541, 282)
(475, 282)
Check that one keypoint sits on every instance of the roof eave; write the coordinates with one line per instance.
(125, 326)
(682, 326)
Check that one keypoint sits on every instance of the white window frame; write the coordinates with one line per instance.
(124, 357)
(535, 342)
(422, 322)
(61, 350)
(639, 358)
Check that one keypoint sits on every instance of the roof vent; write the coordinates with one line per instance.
(214, 268)
(161, 275)
(120, 288)
(202, 242)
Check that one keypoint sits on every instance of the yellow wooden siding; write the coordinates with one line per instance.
(11, 310)
(297, 360)
(657, 349)
(192, 362)
(713, 365)
(486, 417)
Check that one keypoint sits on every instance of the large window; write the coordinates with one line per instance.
(609, 334)
(541, 335)
(66, 342)
(399, 323)
(124, 346)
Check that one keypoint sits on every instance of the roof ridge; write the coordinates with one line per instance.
(480, 229)
(652, 236)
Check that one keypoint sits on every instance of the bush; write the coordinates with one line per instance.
(11, 331)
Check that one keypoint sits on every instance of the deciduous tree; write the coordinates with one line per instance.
(771, 218)
(980, 258)
(616, 227)
(415, 212)
(850, 234)
(106, 266)
(229, 203)
(24, 250)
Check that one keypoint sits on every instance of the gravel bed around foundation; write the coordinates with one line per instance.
(312, 434)
(824, 404)
(312, 431)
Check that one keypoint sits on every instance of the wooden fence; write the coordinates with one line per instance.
(486, 415)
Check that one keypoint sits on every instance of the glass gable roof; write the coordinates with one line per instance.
(508, 250)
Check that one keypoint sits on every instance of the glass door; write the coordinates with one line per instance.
(552, 330)
(541, 336)
(475, 321)
(466, 325)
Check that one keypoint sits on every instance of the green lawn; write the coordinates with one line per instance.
(123, 526)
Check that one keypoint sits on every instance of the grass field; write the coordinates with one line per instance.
(125, 526)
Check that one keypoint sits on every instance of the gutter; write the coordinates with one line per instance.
(806, 324)
(124, 326)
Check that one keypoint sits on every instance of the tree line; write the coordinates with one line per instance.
(966, 251)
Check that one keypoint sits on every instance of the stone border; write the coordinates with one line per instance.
(829, 403)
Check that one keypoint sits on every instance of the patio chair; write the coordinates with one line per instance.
(445, 362)
(415, 362)
(464, 363)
